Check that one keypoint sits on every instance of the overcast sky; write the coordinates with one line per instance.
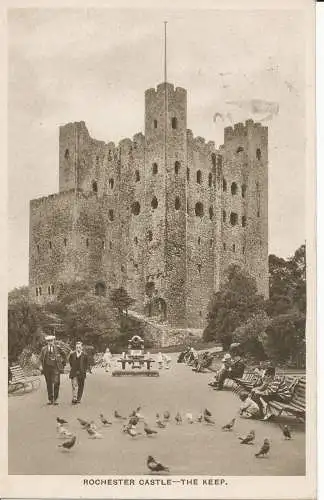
(95, 64)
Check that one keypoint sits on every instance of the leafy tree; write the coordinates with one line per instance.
(235, 302)
(284, 338)
(121, 300)
(250, 334)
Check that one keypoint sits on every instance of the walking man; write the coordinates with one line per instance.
(79, 364)
(52, 366)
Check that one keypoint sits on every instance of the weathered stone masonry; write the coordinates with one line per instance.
(163, 214)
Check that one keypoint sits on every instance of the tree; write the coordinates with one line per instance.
(121, 300)
(250, 334)
(235, 302)
(284, 338)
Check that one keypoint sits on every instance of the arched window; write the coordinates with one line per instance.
(136, 208)
(36, 292)
(100, 289)
(176, 167)
(233, 218)
(154, 203)
(199, 268)
(187, 207)
(65, 241)
(38, 249)
(67, 154)
(155, 123)
(137, 176)
(111, 214)
(199, 209)
(243, 249)
(177, 203)
(211, 242)
(155, 168)
(210, 179)
(211, 213)
(258, 154)
(199, 240)
(87, 242)
(95, 187)
(49, 290)
(110, 245)
(243, 221)
(136, 240)
(50, 245)
(149, 235)
(122, 268)
(111, 183)
(224, 246)
(188, 174)
(213, 159)
(224, 185)
(234, 188)
(244, 188)
(174, 123)
(199, 176)
(103, 244)
(233, 247)
(240, 149)
(52, 289)
(224, 216)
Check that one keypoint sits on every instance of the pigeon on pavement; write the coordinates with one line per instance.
(61, 420)
(264, 449)
(148, 431)
(229, 426)
(248, 439)
(155, 466)
(67, 445)
(104, 421)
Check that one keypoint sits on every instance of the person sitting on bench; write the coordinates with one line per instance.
(233, 367)
(273, 388)
(248, 408)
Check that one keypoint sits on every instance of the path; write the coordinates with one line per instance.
(187, 449)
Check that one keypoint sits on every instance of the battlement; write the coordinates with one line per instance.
(153, 92)
(199, 143)
(52, 199)
(242, 130)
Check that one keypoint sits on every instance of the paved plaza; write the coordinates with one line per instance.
(197, 449)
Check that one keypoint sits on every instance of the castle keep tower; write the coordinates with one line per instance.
(162, 214)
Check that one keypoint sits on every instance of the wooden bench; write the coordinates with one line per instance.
(138, 363)
(19, 381)
(296, 406)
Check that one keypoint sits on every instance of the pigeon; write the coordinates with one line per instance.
(285, 431)
(155, 466)
(83, 423)
(63, 431)
(248, 439)
(104, 421)
(209, 420)
(132, 431)
(93, 434)
(166, 416)
(264, 449)
(117, 415)
(67, 445)
(189, 418)
(148, 431)
(61, 420)
(229, 426)
(133, 420)
(159, 423)
(207, 412)
(178, 418)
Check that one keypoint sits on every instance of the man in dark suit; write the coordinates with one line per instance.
(79, 364)
(52, 367)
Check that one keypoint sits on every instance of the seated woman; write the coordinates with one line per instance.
(233, 367)
(273, 388)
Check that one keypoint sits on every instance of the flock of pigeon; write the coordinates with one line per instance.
(132, 423)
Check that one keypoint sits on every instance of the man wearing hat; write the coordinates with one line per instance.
(52, 366)
(79, 364)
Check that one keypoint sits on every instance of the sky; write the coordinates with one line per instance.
(94, 65)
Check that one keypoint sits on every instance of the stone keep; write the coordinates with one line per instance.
(162, 215)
